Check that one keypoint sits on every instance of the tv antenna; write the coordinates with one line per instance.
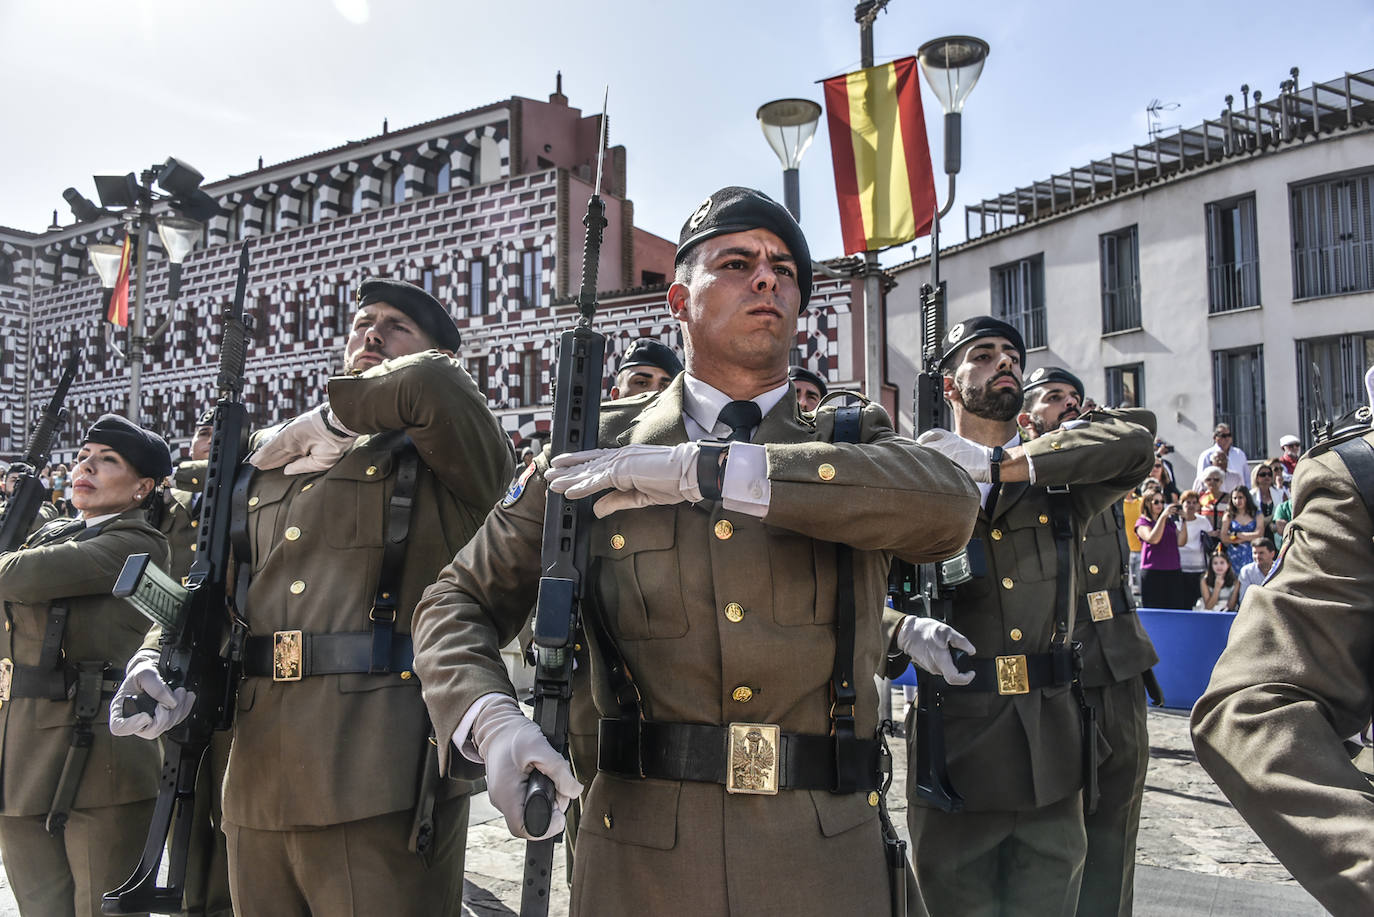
(1153, 116)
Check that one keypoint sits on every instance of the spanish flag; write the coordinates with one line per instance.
(118, 311)
(883, 177)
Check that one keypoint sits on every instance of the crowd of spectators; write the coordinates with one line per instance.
(56, 481)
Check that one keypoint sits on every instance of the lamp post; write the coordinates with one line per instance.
(952, 66)
(789, 125)
(131, 198)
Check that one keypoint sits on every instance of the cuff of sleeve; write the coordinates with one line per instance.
(1030, 468)
(462, 736)
(746, 488)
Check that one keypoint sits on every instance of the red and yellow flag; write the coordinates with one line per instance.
(118, 312)
(883, 177)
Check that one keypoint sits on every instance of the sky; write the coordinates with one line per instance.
(94, 87)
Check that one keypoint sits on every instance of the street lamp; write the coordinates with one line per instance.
(131, 198)
(789, 125)
(952, 66)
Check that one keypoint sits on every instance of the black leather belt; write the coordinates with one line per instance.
(290, 655)
(1016, 674)
(688, 751)
(48, 684)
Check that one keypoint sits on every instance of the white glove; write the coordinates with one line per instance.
(638, 476)
(973, 458)
(928, 641)
(141, 677)
(311, 442)
(511, 746)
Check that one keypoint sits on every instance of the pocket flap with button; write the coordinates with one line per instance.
(838, 813)
(642, 813)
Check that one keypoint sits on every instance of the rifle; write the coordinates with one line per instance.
(196, 620)
(23, 504)
(928, 589)
(563, 558)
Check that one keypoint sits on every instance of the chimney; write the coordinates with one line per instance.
(556, 97)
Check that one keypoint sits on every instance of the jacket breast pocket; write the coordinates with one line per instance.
(807, 565)
(640, 574)
(266, 519)
(1032, 544)
(356, 492)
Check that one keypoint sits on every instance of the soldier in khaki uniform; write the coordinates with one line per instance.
(329, 761)
(52, 690)
(1117, 656)
(720, 590)
(1014, 730)
(1297, 678)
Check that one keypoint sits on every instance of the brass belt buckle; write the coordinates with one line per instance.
(1012, 676)
(286, 655)
(6, 679)
(1100, 605)
(752, 756)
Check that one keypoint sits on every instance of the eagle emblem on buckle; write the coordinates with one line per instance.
(753, 759)
(6, 679)
(1012, 675)
(286, 655)
(1100, 606)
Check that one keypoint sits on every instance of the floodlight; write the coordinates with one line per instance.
(82, 208)
(117, 190)
(178, 179)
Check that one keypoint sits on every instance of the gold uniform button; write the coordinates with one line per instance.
(371, 470)
(873, 797)
(1044, 520)
(1007, 583)
(743, 694)
(606, 820)
(292, 533)
(195, 480)
(195, 523)
(826, 472)
(1016, 633)
(724, 529)
(734, 612)
(996, 534)
(617, 541)
(298, 587)
(1092, 568)
(406, 676)
(253, 501)
(1055, 444)
(193, 548)
(307, 487)
(8, 625)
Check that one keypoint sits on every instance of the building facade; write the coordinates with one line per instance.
(1201, 275)
(483, 209)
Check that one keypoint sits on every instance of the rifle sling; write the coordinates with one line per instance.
(399, 512)
(1062, 647)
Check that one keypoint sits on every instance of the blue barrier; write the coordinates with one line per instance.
(1188, 643)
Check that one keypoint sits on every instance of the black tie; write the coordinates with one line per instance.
(740, 417)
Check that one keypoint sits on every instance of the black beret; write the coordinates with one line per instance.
(1047, 374)
(736, 209)
(143, 449)
(801, 373)
(980, 326)
(423, 309)
(649, 352)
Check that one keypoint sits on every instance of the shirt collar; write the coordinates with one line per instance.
(96, 520)
(703, 402)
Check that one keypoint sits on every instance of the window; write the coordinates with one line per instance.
(1018, 298)
(651, 278)
(6, 271)
(310, 206)
(442, 179)
(1120, 280)
(1339, 377)
(531, 276)
(389, 186)
(347, 192)
(1333, 236)
(1232, 256)
(427, 280)
(528, 384)
(477, 368)
(477, 287)
(355, 197)
(238, 223)
(1126, 386)
(1238, 397)
(344, 308)
(272, 215)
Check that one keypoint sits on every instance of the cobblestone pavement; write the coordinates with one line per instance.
(1196, 855)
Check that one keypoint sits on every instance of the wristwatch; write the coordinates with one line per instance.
(996, 464)
(711, 459)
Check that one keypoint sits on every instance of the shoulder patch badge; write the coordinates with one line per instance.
(517, 487)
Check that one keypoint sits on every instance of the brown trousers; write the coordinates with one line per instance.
(207, 863)
(66, 875)
(1109, 871)
(356, 869)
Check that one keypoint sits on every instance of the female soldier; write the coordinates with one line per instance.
(75, 801)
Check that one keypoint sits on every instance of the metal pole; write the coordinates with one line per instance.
(145, 219)
(791, 192)
(873, 336)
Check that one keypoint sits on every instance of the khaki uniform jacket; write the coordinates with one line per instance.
(1296, 678)
(179, 524)
(35, 733)
(1115, 648)
(335, 748)
(1022, 752)
(662, 577)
